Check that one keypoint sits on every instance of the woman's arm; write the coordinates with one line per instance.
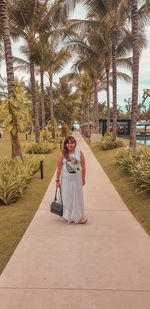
(59, 168)
(83, 168)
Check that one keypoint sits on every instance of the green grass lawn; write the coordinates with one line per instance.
(138, 204)
(15, 218)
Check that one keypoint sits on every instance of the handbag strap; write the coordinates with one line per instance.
(56, 195)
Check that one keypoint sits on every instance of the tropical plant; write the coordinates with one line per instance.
(134, 18)
(46, 134)
(18, 106)
(50, 61)
(108, 142)
(28, 20)
(65, 101)
(56, 61)
(90, 64)
(40, 148)
(137, 164)
(16, 150)
(95, 56)
(83, 84)
(14, 177)
(115, 14)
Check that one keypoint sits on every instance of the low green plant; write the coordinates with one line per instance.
(14, 177)
(46, 134)
(41, 148)
(137, 165)
(126, 159)
(51, 133)
(107, 142)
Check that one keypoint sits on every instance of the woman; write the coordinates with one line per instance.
(71, 169)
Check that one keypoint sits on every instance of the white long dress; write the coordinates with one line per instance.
(71, 188)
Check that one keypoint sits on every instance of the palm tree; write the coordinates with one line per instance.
(41, 58)
(29, 19)
(115, 13)
(134, 15)
(84, 89)
(89, 61)
(47, 60)
(50, 61)
(16, 150)
(136, 53)
(65, 101)
(56, 60)
(95, 56)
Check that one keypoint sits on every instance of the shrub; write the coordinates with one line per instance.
(46, 135)
(108, 142)
(14, 177)
(41, 148)
(138, 166)
(126, 159)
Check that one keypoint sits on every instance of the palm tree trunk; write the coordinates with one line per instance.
(16, 149)
(86, 109)
(33, 92)
(84, 113)
(82, 121)
(108, 102)
(88, 116)
(95, 106)
(84, 117)
(51, 98)
(114, 84)
(135, 74)
(42, 100)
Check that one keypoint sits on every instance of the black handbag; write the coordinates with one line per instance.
(55, 207)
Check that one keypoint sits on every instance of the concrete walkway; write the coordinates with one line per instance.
(104, 264)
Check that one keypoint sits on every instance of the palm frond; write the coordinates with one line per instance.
(125, 77)
(125, 63)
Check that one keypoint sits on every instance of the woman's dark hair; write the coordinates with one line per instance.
(65, 149)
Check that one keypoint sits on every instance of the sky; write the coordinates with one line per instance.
(123, 89)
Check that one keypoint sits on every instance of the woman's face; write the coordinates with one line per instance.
(70, 145)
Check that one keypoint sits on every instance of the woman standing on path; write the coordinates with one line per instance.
(71, 169)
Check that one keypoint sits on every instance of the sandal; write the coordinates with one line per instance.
(83, 221)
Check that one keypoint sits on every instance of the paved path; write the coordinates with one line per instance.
(102, 265)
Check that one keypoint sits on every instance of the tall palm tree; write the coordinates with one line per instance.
(95, 55)
(136, 52)
(89, 61)
(56, 61)
(115, 13)
(47, 60)
(16, 150)
(134, 15)
(84, 89)
(29, 19)
(65, 101)
(50, 61)
(41, 58)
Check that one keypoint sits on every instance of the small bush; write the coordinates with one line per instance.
(126, 159)
(41, 148)
(46, 135)
(138, 166)
(108, 142)
(14, 177)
